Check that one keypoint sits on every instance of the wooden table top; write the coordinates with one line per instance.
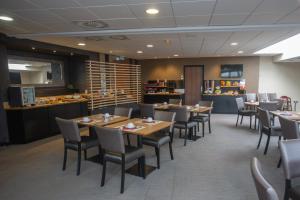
(295, 116)
(143, 129)
(98, 120)
(193, 109)
(255, 103)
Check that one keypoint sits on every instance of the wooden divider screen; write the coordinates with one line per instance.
(112, 83)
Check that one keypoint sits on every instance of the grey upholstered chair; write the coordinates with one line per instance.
(175, 101)
(251, 97)
(183, 121)
(272, 96)
(267, 128)
(290, 155)
(159, 139)
(147, 110)
(270, 106)
(204, 117)
(242, 111)
(264, 190)
(114, 150)
(125, 112)
(73, 141)
(262, 97)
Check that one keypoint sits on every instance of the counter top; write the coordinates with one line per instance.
(8, 107)
(222, 94)
(166, 94)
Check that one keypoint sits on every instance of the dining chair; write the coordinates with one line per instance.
(272, 96)
(114, 150)
(182, 121)
(204, 117)
(73, 141)
(264, 189)
(290, 130)
(146, 110)
(263, 97)
(267, 128)
(165, 137)
(242, 111)
(251, 97)
(124, 112)
(175, 101)
(290, 155)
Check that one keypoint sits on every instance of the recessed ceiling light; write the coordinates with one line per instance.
(6, 18)
(234, 43)
(33, 48)
(110, 51)
(150, 45)
(168, 42)
(152, 11)
(54, 51)
(240, 52)
(175, 55)
(139, 52)
(81, 44)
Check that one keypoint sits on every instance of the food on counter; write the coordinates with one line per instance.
(236, 83)
(228, 83)
(218, 90)
(222, 83)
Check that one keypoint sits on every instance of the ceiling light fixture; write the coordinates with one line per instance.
(240, 52)
(150, 45)
(81, 44)
(33, 48)
(234, 43)
(175, 55)
(139, 52)
(152, 11)
(54, 51)
(6, 18)
(110, 51)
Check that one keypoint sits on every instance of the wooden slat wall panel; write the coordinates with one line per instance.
(113, 83)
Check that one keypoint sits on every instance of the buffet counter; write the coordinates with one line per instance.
(162, 97)
(223, 103)
(30, 123)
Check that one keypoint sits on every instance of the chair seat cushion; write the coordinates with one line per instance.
(182, 125)
(200, 118)
(156, 140)
(131, 154)
(86, 143)
(295, 192)
(247, 112)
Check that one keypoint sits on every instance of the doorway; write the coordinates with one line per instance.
(193, 83)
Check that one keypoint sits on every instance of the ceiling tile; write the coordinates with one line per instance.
(193, 8)
(263, 18)
(277, 6)
(55, 3)
(123, 23)
(75, 14)
(193, 20)
(99, 3)
(236, 6)
(228, 20)
(158, 22)
(139, 10)
(40, 16)
(16, 4)
(292, 18)
(145, 1)
(112, 12)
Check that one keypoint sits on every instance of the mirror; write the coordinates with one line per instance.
(35, 72)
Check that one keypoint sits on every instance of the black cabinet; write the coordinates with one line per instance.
(27, 125)
(223, 104)
(161, 98)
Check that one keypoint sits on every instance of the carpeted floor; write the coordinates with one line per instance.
(216, 167)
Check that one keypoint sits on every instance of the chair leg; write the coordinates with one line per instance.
(185, 135)
(144, 167)
(78, 159)
(203, 127)
(128, 140)
(267, 144)
(171, 151)
(259, 141)
(209, 125)
(198, 126)
(140, 166)
(242, 119)
(279, 163)
(157, 157)
(65, 158)
(103, 173)
(85, 154)
(122, 174)
(237, 120)
(180, 133)
(250, 121)
(287, 188)
(255, 119)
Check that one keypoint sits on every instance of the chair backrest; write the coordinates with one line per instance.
(264, 190)
(290, 152)
(69, 130)
(206, 104)
(270, 106)
(175, 101)
(111, 139)
(147, 110)
(263, 97)
(182, 114)
(272, 96)
(165, 116)
(240, 103)
(280, 104)
(123, 111)
(290, 129)
(264, 117)
(251, 97)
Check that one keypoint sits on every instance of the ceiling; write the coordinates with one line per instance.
(202, 28)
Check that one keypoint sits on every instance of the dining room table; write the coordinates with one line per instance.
(291, 115)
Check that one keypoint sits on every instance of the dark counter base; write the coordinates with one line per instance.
(161, 98)
(222, 104)
(28, 125)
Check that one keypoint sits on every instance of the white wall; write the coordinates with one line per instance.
(282, 78)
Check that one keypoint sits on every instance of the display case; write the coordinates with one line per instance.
(21, 96)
